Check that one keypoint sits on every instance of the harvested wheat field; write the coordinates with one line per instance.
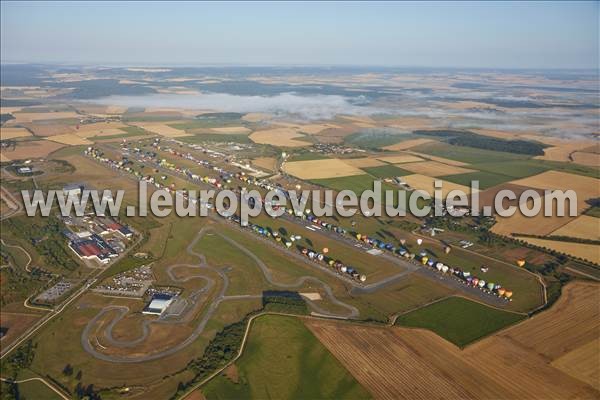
(584, 226)
(411, 123)
(282, 137)
(562, 149)
(409, 363)
(161, 128)
(585, 187)
(100, 129)
(50, 129)
(69, 139)
(426, 184)
(321, 169)
(590, 252)
(407, 144)
(232, 130)
(256, 117)
(13, 133)
(33, 149)
(400, 159)
(313, 129)
(440, 159)
(267, 163)
(434, 168)
(591, 159)
(365, 162)
(582, 363)
(21, 117)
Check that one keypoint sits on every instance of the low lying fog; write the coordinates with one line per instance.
(315, 107)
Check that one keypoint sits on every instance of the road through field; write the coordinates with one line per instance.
(87, 334)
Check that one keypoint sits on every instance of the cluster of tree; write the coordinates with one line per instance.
(47, 239)
(220, 350)
(284, 301)
(470, 139)
(5, 117)
(21, 359)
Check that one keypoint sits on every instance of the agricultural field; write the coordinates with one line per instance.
(13, 133)
(30, 150)
(321, 169)
(459, 320)
(69, 139)
(589, 252)
(434, 168)
(161, 128)
(584, 227)
(280, 356)
(516, 363)
(400, 159)
(426, 184)
(407, 144)
(280, 137)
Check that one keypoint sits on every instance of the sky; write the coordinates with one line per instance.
(446, 34)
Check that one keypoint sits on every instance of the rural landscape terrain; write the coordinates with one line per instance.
(451, 306)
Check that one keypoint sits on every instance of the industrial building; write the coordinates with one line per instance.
(159, 303)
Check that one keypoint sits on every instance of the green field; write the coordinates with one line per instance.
(459, 320)
(386, 171)
(486, 179)
(466, 154)
(512, 169)
(284, 360)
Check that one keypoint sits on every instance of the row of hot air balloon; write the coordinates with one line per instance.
(466, 277)
(336, 264)
(312, 254)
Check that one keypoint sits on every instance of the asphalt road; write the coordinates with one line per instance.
(88, 333)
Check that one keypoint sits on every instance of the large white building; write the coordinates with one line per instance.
(158, 304)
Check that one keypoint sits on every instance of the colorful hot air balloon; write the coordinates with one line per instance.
(501, 291)
(490, 286)
(325, 250)
(520, 263)
(508, 294)
(358, 236)
(419, 241)
(424, 260)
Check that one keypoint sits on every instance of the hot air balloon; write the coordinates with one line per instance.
(402, 241)
(481, 283)
(508, 294)
(325, 250)
(424, 260)
(363, 278)
(344, 268)
(305, 251)
(444, 268)
(298, 187)
(358, 236)
(490, 286)
(331, 262)
(475, 281)
(501, 291)
(419, 241)
(288, 244)
(520, 263)
(447, 249)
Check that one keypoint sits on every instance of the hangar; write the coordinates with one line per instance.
(159, 303)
